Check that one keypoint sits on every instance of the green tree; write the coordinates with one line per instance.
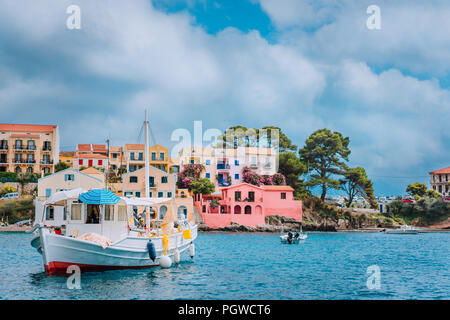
(292, 168)
(284, 143)
(433, 194)
(417, 189)
(356, 182)
(240, 136)
(325, 153)
(202, 186)
(61, 166)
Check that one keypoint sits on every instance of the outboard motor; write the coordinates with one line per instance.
(296, 235)
(290, 235)
(151, 250)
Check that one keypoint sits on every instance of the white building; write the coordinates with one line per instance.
(224, 166)
(60, 181)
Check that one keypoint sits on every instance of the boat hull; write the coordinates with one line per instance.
(401, 232)
(60, 252)
(285, 239)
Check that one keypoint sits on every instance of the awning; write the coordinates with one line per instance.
(144, 201)
(59, 197)
(99, 196)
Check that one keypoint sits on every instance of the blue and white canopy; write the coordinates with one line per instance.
(99, 196)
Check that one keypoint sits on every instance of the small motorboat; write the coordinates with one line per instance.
(292, 237)
(404, 229)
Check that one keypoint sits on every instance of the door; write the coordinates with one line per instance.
(90, 163)
(220, 178)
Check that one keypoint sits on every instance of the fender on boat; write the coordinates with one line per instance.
(151, 250)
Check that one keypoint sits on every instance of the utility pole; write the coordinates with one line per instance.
(146, 156)
(107, 167)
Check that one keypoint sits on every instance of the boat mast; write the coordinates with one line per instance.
(146, 155)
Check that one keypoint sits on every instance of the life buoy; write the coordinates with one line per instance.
(75, 232)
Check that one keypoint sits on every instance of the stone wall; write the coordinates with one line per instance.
(29, 187)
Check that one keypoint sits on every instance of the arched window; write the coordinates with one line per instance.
(237, 209)
(162, 212)
(18, 170)
(248, 210)
(46, 170)
(182, 212)
(258, 210)
(30, 170)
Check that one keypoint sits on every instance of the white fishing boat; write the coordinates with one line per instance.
(404, 229)
(292, 237)
(104, 231)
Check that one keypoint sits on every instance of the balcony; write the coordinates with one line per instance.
(223, 167)
(254, 165)
(3, 147)
(47, 149)
(158, 159)
(25, 161)
(46, 161)
(3, 160)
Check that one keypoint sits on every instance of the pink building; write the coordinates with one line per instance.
(248, 205)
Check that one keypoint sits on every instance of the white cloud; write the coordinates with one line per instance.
(183, 74)
(413, 36)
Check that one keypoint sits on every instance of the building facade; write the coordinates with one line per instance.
(440, 181)
(159, 157)
(162, 187)
(66, 157)
(117, 158)
(67, 179)
(28, 148)
(247, 204)
(161, 183)
(224, 166)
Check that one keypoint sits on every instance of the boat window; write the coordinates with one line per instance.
(109, 212)
(122, 213)
(93, 213)
(76, 211)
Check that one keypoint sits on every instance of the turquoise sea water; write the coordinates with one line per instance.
(252, 266)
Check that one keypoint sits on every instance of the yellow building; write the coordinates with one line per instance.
(66, 157)
(159, 157)
(117, 158)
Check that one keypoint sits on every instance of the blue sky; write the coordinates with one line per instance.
(300, 65)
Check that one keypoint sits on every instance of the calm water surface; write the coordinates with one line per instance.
(252, 266)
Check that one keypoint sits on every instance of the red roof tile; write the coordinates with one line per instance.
(99, 147)
(27, 127)
(84, 147)
(445, 170)
(131, 146)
